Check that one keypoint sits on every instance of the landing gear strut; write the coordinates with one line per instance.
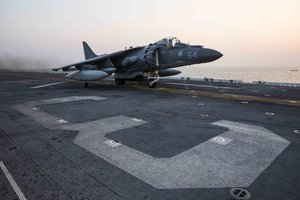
(152, 82)
(86, 84)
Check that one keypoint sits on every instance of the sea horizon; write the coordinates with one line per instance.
(246, 74)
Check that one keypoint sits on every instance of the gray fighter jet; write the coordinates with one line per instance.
(145, 63)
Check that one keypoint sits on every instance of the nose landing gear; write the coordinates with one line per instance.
(152, 81)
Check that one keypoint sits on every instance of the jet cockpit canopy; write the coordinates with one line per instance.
(170, 42)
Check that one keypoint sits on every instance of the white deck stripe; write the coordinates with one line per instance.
(12, 182)
(46, 85)
(207, 86)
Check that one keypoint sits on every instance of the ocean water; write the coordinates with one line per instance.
(246, 74)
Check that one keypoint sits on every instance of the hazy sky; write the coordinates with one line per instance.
(247, 32)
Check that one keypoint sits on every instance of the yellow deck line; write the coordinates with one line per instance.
(213, 94)
(224, 95)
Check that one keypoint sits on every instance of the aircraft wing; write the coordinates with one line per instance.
(104, 59)
(91, 61)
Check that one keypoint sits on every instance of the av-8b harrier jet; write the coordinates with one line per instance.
(145, 63)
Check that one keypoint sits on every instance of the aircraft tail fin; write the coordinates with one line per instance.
(88, 52)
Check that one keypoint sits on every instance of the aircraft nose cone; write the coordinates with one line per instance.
(208, 55)
(219, 55)
(214, 54)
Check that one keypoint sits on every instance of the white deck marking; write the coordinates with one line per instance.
(207, 86)
(204, 115)
(44, 118)
(22, 81)
(62, 121)
(46, 85)
(207, 165)
(270, 113)
(221, 140)
(137, 120)
(112, 143)
(246, 151)
(12, 182)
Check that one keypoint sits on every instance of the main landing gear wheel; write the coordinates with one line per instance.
(86, 84)
(120, 81)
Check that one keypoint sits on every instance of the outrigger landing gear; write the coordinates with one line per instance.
(86, 84)
(120, 81)
(152, 81)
